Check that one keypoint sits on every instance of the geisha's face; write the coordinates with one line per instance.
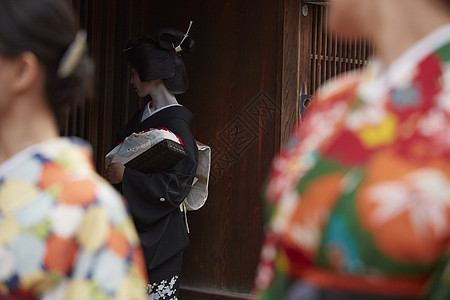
(137, 84)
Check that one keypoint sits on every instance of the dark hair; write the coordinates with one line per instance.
(45, 28)
(157, 59)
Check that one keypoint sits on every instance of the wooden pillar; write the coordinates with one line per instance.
(290, 78)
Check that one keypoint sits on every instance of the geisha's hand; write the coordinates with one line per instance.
(114, 173)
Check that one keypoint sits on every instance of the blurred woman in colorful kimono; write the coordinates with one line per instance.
(358, 202)
(64, 231)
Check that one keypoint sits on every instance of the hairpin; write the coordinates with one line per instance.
(72, 56)
(178, 48)
(129, 48)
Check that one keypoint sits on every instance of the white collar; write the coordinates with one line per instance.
(50, 148)
(17, 158)
(147, 113)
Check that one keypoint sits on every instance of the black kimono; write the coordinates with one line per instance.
(154, 199)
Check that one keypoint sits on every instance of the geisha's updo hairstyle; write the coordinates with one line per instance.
(159, 58)
(47, 28)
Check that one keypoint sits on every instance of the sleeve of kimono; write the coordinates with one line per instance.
(439, 285)
(152, 196)
(272, 278)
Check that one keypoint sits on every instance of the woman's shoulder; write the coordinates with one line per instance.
(67, 166)
(174, 113)
(341, 88)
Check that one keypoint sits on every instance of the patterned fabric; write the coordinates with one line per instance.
(64, 232)
(164, 290)
(359, 200)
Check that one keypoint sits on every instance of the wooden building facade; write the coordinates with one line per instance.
(253, 61)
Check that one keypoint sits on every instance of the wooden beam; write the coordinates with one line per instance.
(306, 39)
(290, 78)
(320, 2)
(189, 293)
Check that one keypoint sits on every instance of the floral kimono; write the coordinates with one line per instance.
(65, 232)
(358, 203)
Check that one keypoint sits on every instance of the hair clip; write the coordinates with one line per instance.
(178, 48)
(72, 56)
(127, 49)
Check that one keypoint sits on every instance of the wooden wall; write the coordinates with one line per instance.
(236, 95)
(253, 60)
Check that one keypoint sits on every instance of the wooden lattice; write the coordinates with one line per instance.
(332, 54)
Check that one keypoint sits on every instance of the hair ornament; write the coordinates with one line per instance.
(72, 56)
(178, 48)
(127, 49)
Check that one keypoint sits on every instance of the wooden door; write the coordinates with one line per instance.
(235, 96)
